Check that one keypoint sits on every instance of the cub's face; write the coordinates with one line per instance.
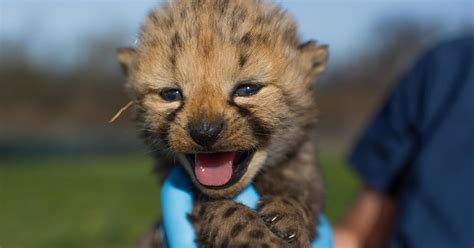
(223, 105)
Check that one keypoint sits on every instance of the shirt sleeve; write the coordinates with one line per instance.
(391, 139)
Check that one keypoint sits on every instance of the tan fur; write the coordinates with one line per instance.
(208, 47)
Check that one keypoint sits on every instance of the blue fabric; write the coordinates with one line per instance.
(420, 149)
(176, 202)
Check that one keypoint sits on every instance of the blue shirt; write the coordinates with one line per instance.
(420, 149)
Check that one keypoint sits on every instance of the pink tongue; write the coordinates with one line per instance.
(213, 169)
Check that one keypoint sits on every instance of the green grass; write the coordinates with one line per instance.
(341, 184)
(102, 201)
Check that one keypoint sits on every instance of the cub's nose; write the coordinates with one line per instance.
(205, 133)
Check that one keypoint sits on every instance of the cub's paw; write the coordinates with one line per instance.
(228, 224)
(286, 219)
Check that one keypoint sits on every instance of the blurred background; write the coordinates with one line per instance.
(70, 179)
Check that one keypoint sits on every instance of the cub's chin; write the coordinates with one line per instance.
(222, 174)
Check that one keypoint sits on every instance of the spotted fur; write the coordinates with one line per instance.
(207, 48)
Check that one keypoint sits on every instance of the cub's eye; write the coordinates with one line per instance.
(247, 90)
(171, 95)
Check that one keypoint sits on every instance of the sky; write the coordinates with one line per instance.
(57, 28)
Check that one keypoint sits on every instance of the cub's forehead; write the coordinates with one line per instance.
(190, 21)
(215, 40)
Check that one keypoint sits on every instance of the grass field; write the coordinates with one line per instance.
(103, 201)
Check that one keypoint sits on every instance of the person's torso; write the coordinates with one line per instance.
(437, 196)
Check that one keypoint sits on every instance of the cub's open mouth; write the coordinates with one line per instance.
(221, 169)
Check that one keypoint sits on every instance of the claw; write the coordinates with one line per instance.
(272, 218)
(291, 236)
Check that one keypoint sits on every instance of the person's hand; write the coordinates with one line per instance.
(344, 238)
(368, 222)
(176, 200)
(177, 204)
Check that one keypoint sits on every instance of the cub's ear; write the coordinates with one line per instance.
(313, 57)
(126, 57)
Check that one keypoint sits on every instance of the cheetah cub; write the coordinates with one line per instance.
(224, 88)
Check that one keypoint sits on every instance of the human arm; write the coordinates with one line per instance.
(368, 222)
(382, 156)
